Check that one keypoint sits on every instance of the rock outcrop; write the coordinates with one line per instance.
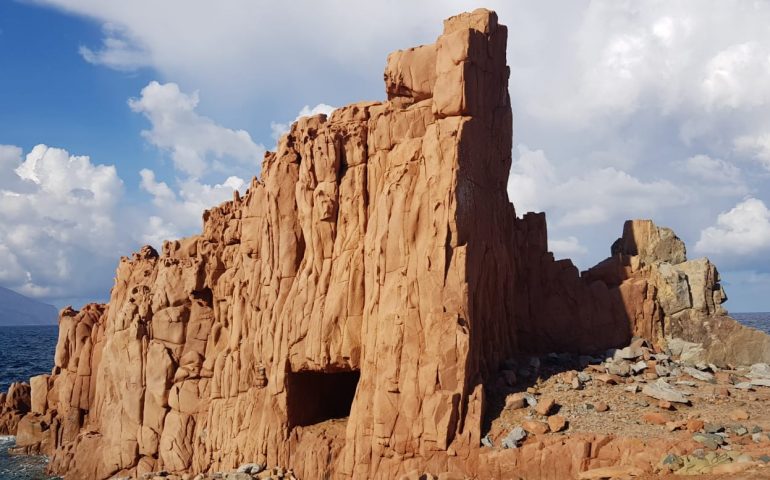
(13, 406)
(674, 302)
(376, 271)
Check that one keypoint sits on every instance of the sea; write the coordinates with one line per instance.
(28, 351)
(24, 352)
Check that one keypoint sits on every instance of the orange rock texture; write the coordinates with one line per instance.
(376, 271)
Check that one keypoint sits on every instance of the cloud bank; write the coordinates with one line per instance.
(622, 109)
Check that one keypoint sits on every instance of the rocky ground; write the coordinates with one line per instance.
(706, 421)
(718, 417)
(247, 471)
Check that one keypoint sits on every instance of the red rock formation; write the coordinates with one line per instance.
(13, 406)
(376, 269)
(675, 302)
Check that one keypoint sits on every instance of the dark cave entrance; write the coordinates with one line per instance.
(314, 397)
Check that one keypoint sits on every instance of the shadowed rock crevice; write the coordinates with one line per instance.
(314, 397)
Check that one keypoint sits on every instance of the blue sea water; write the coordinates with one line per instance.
(28, 351)
(24, 352)
(758, 320)
(20, 467)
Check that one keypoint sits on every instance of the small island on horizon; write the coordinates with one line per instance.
(18, 310)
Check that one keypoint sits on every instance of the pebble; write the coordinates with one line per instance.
(711, 441)
(672, 462)
(557, 423)
(514, 437)
(535, 427)
(252, 468)
(619, 369)
(699, 375)
(545, 406)
(518, 400)
(655, 418)
(515, 401)
(639, 366)
(713, 428)
(694, 425)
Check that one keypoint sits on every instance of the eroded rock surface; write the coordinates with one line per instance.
(676, 302)
(13, 406)
(376, 271)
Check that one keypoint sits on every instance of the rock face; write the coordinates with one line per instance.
(376, 271)
(674, 302)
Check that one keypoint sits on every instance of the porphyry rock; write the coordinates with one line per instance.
(376, 267)
(545, 406)
(557, 423)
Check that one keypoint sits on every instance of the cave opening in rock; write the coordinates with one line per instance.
(314, 397)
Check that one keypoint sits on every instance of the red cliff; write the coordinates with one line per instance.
(376, 271)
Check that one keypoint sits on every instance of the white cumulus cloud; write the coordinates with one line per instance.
(589, 197)
(118, 51)
(58, 234)
(655, 109)
(744, 230)
(178, 214)
(279, 129)
(566, 247)
(196, 143)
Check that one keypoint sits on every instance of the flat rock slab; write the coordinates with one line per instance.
(663, 391)
(699, 375)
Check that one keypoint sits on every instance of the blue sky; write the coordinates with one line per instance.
(50, 95)
(122, 121)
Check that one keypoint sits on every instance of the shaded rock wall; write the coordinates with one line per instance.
(379, 246)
